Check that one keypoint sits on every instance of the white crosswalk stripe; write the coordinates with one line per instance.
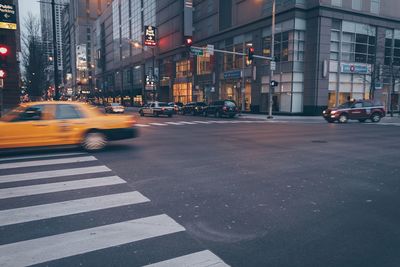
(142, 125)
(199, 259)
(42, 156)
(51, 174)
(45, 162)
(174, 123)
(46, 211)
(57, 187)
(81, 241)
(157, 124)
(74, 243)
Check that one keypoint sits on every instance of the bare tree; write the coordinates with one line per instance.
(34, 59)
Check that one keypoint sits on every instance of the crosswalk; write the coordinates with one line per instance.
(32, 212)
(185, 123)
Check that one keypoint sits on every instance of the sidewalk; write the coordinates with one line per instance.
(387, 119)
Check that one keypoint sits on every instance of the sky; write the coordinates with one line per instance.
(26, 6)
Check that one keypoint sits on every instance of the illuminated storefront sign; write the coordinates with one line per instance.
(150, 36)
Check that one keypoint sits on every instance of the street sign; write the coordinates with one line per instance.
(196, 51)
(8, 17)
(210, 49)
(150, 36)
(273, 65)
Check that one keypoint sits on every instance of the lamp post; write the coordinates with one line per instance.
(271, 88)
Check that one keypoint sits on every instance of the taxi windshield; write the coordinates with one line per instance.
(12, 114)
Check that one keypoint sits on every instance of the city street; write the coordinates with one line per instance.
(209, 191)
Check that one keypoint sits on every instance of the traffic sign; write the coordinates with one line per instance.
(8, 17)
(273, 65)
(196, 51)
(210, 49)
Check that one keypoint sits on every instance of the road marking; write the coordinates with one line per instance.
(40, 212)
(203, 122)
(187, 122)
(174, 123)
(55, 247)
(57, 187)
(43, 156)
(45, 162)
(157, 124)
(142, 125)
(203, 258)
(51, 174)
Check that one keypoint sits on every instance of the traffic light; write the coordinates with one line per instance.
(250, 53)
(4, 51)
(274, 83)
(188, 41)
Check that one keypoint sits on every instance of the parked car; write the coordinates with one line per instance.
(156, 109)
(177, 106)
(222, 108)
(360, 110)
(194, 108)
(38, 124)
(114, 108)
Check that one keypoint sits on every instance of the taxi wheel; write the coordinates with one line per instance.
(94, 141)
(343, 118)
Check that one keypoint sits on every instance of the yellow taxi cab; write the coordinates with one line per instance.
(52, 123)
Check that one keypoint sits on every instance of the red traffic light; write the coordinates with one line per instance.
(3, 50)
(188, 41)
(250, 53)
(3, 74)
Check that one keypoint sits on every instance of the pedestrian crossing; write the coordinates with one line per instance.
(185, 123)
(37, 176)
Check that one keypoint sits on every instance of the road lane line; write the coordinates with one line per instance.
(59, 246)
(174, 123)
(203, 122)
(45, 162)
(40, 212)
(157, 124)
(203, 258)
(51, 174)
(58, 187)
(187, 122)
(43, 156)
(142, 125)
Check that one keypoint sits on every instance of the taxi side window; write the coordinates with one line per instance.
(357, 105)
(367, 104)
(32, 113)
(152, 105)
(65, 112)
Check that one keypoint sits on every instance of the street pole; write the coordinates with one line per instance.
(55, 59)
(153, 75)
(243, 81)
(271, 88)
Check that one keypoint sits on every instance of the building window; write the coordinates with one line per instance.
(204, 64)
(392, 48)
(183, 69)
(375, 6)
(356, 4)
(337, 3)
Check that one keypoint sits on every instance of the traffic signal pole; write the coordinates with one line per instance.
(55, 58)
(271, 76)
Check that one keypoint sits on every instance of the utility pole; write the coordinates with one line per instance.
(55, 58)
(271, 88)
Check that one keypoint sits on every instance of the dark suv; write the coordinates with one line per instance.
(222, 108)
(194, 108)
(360, 110)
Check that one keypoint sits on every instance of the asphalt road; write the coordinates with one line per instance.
(251, 193)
